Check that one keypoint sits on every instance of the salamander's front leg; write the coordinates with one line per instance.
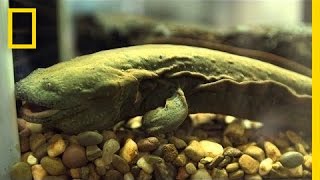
(167, 118)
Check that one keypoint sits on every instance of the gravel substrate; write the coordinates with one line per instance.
(204, 147)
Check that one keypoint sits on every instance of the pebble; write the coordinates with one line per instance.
(164, 171)
(36, 140)
(38, 172)
(234, 131)
(74, 156)
(194, 151)
(56, 146)
(226, 160)
(75, 173)
(265, 166)
(169, 152)
(211, 149)
(62, 177)
(128, 176)
(295, 138)
(89, 138)
(85, 171)
(236, 174)
(215, 162)
(34, 127)
(291, 159)
(296, 172)
(144, 176)
(93, 152)
(129, 150)
(24, 144)
(220, 174)
(191, 168)
(100, 167)
(300, 148)
(232, 167)
(41, 151)
(110, 147)
(113, 175)
(307, 174)
(252, 177)
(143, 164)
(232, 152)
(255, 152)
(201, 174)
(272, 151)
(181, 160)
(31, 160)
(248, 164)
(179, 143)
(53, 166)
(120, 164)
(307, 161)
(108, 135)
(182, 174)
(20, 171)
(148, 144)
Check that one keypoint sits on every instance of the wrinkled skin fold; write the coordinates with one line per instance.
(165, 83)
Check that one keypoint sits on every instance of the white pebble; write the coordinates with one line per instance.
(144, 165)
(265, 166)
(211, 149)
(32, 160)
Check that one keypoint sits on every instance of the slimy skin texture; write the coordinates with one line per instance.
(165, 83)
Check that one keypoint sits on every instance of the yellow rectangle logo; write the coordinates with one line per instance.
(10, 27)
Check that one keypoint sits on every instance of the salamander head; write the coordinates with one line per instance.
(84, 94)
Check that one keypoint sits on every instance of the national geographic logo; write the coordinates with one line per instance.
(10, 27)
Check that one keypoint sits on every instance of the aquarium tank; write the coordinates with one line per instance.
(146, 89)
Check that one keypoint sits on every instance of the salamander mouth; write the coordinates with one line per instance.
(33, 111)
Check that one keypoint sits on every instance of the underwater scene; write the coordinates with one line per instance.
(116, 95)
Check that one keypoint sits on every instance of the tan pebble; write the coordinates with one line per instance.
(20, 171)
(74, 156)
(89, 138)
(265, 166)
(194, 151)
(307, 161)
(277, 165)
(24, 144)
(248, 164)
(307, 174)
(100, 166)
(120, 164)
(143, 164)
(191, 168)
(211, 149)
(296, 172)
(255, 152)
(252, 177)
(296, 139)
(300, 148)
(169, 152)
(75, 173)
(38, 172)
(148, 144)
(34, 128)
(93, 152)
(182, 174)
(272, 151)
(22, 124)
(31, 160)
(219, 174)
(129, 150)
(56, 147)
(232, 167)
(201, 174)
(201, 165)
(215, 162)
(238, 174)
(36, 140)
(128, 176)
(226, 141)
(179, 143)
(53, 166)
(206, 160)
(110, 147)
(226, 160)
(180, 160)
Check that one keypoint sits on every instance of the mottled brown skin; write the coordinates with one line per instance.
(164, 83)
